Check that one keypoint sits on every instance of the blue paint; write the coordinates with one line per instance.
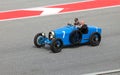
(64, 32)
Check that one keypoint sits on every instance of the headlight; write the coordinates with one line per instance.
(51, 35)
(43, 34)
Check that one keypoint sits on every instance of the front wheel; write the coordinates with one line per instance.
(39, 40)
(56, 45)
(95, 39)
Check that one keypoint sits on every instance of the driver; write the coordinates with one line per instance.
(84, 28)
(76, 21)
(82, 23)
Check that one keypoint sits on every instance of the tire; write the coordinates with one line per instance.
(36, 38)
(95, 39)
(75, 37)
(56, 45)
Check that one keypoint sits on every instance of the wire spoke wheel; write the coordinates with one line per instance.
(56, 45)
(39, 40)
(95, 39)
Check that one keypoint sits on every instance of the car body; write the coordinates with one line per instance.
(68, 35)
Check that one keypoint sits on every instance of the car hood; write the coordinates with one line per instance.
(67, 28)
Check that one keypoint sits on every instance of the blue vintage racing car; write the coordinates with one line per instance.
(68, 35)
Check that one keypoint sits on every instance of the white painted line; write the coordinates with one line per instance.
(46, 11)
(47, 5)
(103, 72)
(62, 13)
(92, 9)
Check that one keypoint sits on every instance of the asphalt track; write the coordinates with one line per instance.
(18, 56)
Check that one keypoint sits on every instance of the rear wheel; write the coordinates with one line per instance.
(95, 39)
(39, 40)
(56, 45)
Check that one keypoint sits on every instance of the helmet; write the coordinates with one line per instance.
(76, 19)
